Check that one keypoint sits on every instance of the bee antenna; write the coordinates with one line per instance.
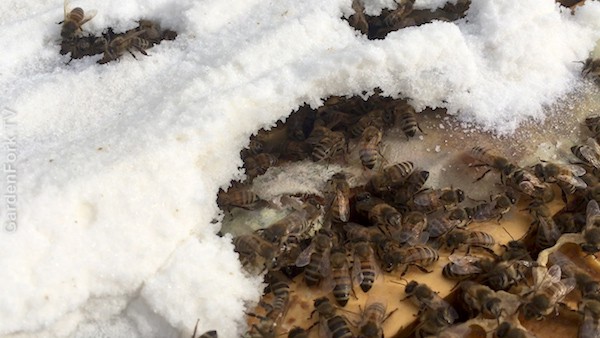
(402, 279)
(508, 233)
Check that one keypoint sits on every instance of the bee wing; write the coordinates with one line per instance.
(544, 278)
(304, 257)
(89, 15)
(575, 169)
(463, 265)
(592, 213)
(572, 180)
(568, 285)
(66, 7)
(343, 206)
(437, 302)
(595, 147)
(422, 239)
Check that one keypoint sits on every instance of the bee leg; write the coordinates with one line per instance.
(405, 270)
(423, 268)
(195, 328)
(142, 51)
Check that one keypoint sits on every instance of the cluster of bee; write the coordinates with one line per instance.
(349, 236)
(112, 45)
(404, 15)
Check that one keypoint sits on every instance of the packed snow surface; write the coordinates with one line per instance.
(112, 170)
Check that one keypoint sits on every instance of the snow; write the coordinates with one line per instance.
(119, 164)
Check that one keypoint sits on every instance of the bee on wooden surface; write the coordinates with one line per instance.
(419, 256)
(569, 222)
(405, 7)
(365, 269)
(479, 239)
(408, 121)
(207, 334)
(588, 153)
(547, 233)
(490, 159)
(590, 326)
(413, 229)
(249, 246)
(491, 304)
(388, 250)
(442, 221)
(73, 20)
(373, 316)
(515, 250)
(368, 147)
(390, 178)
(432, 323)
(488, 211)
(591, 232)
(340, 274)
(529, 184)
(502, 275)
(385, 216)
(425, 298)
(413, 184)
(462, 267)
(432, 199)
(336, 326)
(315, 259)
(358, 20)
(116, 47)
(279, 285)
(548, 290)
(508, 330)
(567, 176)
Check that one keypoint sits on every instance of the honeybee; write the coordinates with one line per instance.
(503, 274)
(357, 233)
(73, 20)
(478, 239)
(432, 199)
(121, 44)
(491, 304)
(593, 124)
(358, 20)
(408, 121)
(329, 146)
(277, 308)
(335, 325)
(412, 230)
(298, 332)
(373, 118)
(425, 298)
(589, 152)
(413, 184)
(432, 323)
(248, 246)
(547, 233)
(462, 267)
(241, 197)
(340, 202)
(590, 326)
(315, 259)
(372, 319)
(442, 221)
(567, 176)
(365, 269)
(528, 183)
(340, 274)
(254, 148)
(368, 150)
(495, 209)
(385, 216)
(419, 256)
(508, 330)
(152, 31)
(591, 232)
(515, 250)
(257, 165)
(295, 224)
(397, 173)
(548, 290)
(591, 67)
(388, 250)
(405, 7)
(491, 160)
